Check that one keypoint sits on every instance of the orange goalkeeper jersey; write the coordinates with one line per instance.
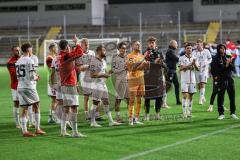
(133, 60)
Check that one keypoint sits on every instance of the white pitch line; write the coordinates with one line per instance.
(178, 143)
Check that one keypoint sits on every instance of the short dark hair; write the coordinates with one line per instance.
(101, 46)
(63, 44)
(121, 44)
(25, 47)
(151, 39)
(219, 46)
(187, 45)
(12, 48)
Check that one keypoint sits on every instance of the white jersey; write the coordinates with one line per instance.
(85, 60)
(187, 76)
(55, 66)
(204, 58)
(35, 60)
(26, 73)
(118, 67)
(100, 66)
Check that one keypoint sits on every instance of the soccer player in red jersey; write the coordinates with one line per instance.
(68, 80)
(14, 82)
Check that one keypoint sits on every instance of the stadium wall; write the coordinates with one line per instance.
(49, 12)
(205, 13)
(153, 13)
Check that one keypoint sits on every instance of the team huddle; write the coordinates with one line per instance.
(138, 75)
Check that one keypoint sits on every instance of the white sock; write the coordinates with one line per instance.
(93, 113)
(108, 113)
(86, 114)
(184, 105)
(30, 115)
(74, 127)
(97, 114)
(187, 104)
(202, 93)
(58, 111)
(63, 126)
(24, 124)
(190, 106)
(73, 120)
(117, 114)
(50, 112)
(16, 115)
(37, 120)
(165, 99)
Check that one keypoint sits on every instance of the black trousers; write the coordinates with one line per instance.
(214, 92)
(173, 78)
(158, 104)
(223, 85)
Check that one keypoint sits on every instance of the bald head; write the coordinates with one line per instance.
(173, 44)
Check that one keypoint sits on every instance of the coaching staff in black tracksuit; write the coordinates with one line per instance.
(171, 61)
(222, 68)
(153, 77)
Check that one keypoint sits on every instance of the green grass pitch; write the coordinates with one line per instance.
(202, 137)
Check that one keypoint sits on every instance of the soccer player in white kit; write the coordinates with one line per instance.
(188, 65)
(30, 110)
(83, 63)
(53, 50)
(204, 58)
(119, 68)
(98, 68)
(27, 92)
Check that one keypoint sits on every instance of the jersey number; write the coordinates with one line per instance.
(21, 70)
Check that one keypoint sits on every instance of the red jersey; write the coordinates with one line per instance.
(67, 68)
(12, 71)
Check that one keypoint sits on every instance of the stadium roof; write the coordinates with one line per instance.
(144, 1)
(114, 1)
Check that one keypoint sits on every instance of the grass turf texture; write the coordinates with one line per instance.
(119, 142)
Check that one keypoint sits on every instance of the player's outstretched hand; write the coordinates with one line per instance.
(75, 39)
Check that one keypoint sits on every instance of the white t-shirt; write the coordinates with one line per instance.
(35, 60)
(26, 73)
(187, 76)
(55, 66)
(204, 58)
(85, 60)
(99, 66)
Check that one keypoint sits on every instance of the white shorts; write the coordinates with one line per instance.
(188, 88)
(14, 95)
(51, 91)
(70, 96)
(201, 77)
(99, 92)
(122, 90)
(86, 87)
(59, 95)
(27, 96)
